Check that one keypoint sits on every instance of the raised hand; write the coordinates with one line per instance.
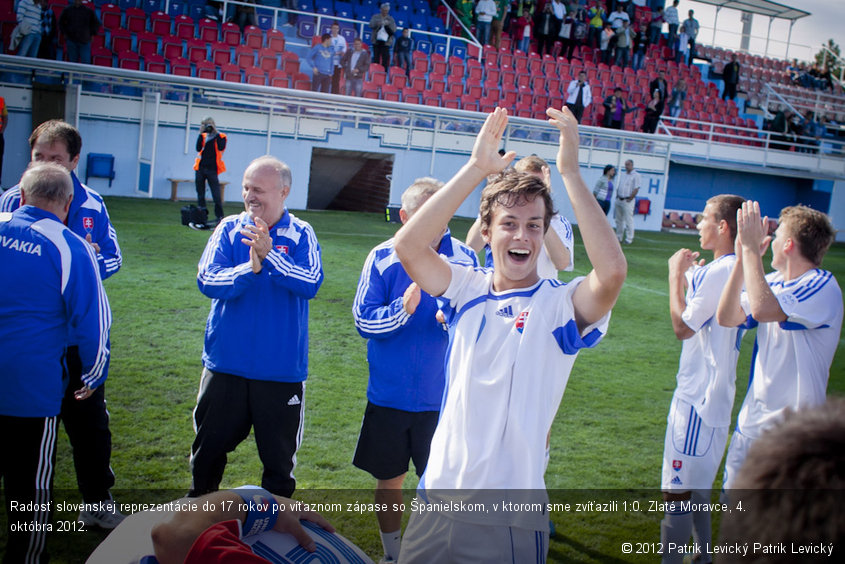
(485, 152)
(567, 154)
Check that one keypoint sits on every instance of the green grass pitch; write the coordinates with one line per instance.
(607, 439)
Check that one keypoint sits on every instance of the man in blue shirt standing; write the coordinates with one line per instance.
(86, 422)
(259, 268)
(52, 295)
(406, 350)
(321, 57)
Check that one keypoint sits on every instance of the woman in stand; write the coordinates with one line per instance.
(652, 113)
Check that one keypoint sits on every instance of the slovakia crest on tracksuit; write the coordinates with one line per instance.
(676, 465)
(88, 223)
(282, 248)
(520, 321)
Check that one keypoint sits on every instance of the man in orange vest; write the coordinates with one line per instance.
(4, 118)
(210, 146)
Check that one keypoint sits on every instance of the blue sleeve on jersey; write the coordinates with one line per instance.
(376, 315)
(109, 258)
(218, 277)
(302, 273)
(89, 315)
(750, 323)
(570, 341)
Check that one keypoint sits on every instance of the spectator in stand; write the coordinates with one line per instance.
(673, 20)
(814, 129)
(597, 17)
(660, 83)
(578, 96)
(485, 11)
(547, 29)
(338, 50)
(619, 16)
(79, 24)
(356, 63)
(499, 21)
(566, 35)
(679, 94)
(603, 190)
(49, 33)
(615, 108)
(559, 10)
(28, 16)
(624, 40)
(652, 112)
(691, 28)
(655, 26)
(779, 127)
(244, 15)
(383, 27)
(320, 58)
(524, 30)
(607, 44)
(730, 74)
(641, 43)
(402, 50)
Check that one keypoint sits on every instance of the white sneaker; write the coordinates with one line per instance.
(103, 518)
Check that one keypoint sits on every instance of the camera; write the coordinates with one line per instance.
(208, 128)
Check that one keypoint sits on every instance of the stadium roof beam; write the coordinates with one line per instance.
(762, 7)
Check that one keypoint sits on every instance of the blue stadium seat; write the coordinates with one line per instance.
(459, 50)
(440, 47)
(196, 10)
(305, 5)
(343, 10)
(423, 45)
(367, 37)
(151, 6)
(324, 7)
(418, 22)
(306, 27)
(348, 33)
(264, 17)
(123, 4)
(176, 8)
(422, 7)
(401, 20)
(435, 24)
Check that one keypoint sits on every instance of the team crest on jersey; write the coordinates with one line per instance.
(282, 248)
(676, 465)
(520, 321)
(788, 299)
(88, 223)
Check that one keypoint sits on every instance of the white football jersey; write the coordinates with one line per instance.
(707, 368)
(545, 266)
(791, 366)
(508, 365)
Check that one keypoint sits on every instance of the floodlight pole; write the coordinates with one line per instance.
(715, 25)
(789, 39)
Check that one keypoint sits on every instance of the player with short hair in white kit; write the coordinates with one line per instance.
(558, 251)
(700, 414)
(515, 337)
(798, 314)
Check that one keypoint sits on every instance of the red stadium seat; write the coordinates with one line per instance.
(245, 57)
(110, 16)
(160, 24)
(231, 34)
(255, 75)
(180, 66)
(278, 78)
(155, 63)
(206, 69)
(208, 30)
(254, 37)
(136, 20)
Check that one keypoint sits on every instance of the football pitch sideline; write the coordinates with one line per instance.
(606, 442)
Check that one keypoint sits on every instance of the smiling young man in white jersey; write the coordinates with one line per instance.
(700, 414)
(798, 314)
(515, 337)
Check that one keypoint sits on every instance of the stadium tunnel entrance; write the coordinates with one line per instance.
(349, 180)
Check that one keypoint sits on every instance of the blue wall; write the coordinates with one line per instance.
(690, 187)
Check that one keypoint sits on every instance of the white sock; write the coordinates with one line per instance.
(391, 543)
(701, 525)
(675, 528)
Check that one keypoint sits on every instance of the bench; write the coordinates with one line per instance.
(174, 189)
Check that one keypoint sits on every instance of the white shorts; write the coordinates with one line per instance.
(692, 450)
(736, 456)
(433, 537)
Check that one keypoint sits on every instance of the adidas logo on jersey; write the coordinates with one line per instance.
(506, 311)
(294, 400)
(676, 481)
